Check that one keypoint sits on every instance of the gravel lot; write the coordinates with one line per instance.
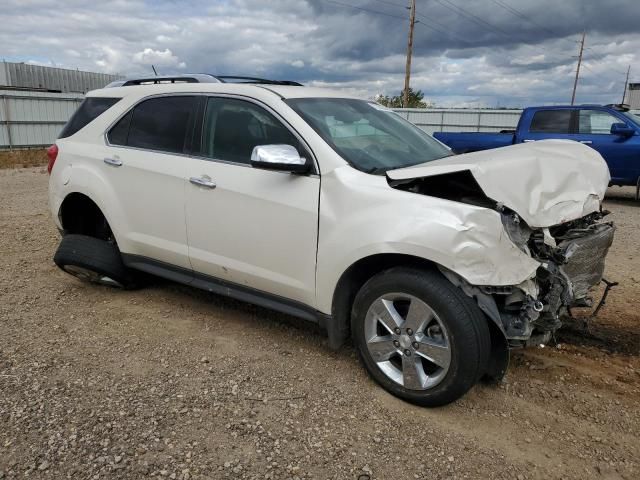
(172, 382)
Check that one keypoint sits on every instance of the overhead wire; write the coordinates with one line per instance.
(428, 22)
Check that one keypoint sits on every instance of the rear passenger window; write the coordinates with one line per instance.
(161, 124)
(551, 121)
(90, 109)
(232, 128)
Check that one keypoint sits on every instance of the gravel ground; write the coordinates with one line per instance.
(172, 382)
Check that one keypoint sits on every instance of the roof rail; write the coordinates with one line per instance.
(198, 78)
(621, 107)
(190, 78)
(240, 79)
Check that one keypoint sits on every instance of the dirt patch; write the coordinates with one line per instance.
(173, 382)
(23, 158)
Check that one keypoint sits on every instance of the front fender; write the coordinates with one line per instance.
(363, 216)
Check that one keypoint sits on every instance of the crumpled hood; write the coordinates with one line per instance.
(547, 182)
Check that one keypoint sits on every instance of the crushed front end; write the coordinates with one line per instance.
(572, 257)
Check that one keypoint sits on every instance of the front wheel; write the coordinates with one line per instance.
(419, 336)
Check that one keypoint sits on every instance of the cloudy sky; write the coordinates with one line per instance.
(466, 52)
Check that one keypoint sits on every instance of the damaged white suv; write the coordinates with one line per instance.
(336, 210)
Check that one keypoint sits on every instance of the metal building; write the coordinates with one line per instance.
(36, 101)
(633, 95)
(25, 76)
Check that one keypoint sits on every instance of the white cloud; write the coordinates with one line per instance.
(158, 58)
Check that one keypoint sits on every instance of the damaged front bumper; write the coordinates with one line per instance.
(571, 256)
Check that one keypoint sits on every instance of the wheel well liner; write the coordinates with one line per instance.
(81, 215)
(356, 276)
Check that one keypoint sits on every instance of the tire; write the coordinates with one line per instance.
(444, 343)
(93, 260)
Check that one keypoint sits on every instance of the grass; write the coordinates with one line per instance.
(23, 158)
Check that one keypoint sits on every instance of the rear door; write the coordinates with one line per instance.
(146, 165)
(551, 123)
(252, 227)
(620, 153)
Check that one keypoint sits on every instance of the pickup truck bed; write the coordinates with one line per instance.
(472, 142)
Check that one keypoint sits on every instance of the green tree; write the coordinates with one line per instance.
(415, 100)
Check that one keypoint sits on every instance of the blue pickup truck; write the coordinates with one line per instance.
(610, 129)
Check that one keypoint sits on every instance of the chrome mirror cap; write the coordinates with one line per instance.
(278, 157)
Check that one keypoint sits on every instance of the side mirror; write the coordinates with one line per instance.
(622, 129)
(284, 158)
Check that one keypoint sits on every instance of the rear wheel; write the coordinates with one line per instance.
(419, 337)
(93, 260)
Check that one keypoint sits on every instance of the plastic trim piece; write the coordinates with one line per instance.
(238, 292)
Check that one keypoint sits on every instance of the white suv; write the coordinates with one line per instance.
(338, 211)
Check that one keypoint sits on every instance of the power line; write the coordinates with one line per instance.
(521, 15)
(470, 16)
(443, 31)
(446, 30)
(479, 21)
(391, 3)
(365, 9)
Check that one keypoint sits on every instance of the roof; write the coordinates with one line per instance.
(253, 90)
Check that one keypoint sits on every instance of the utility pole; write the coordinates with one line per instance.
(575, 83)
(407, 71)
(626, 82)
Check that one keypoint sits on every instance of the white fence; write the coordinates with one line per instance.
(34, 119)
(461, 119)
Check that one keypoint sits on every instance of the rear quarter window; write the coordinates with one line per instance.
(90, 109)
(551, 121)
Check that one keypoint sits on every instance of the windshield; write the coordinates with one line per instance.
(635, 118)
(370, 137)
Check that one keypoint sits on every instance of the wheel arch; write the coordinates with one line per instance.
(354, 277)
(357, 274)
(80, 214)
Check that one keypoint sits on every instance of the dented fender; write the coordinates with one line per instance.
(466, 239)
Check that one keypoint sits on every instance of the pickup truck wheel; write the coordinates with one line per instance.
(93, 260)
(419, 337)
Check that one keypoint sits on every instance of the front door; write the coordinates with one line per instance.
(252, 227)
(621, 153)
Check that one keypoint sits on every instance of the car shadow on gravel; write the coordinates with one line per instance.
(622, 198)
(260, 317)
(610, 338)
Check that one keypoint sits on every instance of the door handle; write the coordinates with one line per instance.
(586, 142)
(203, 181)
(114, 162)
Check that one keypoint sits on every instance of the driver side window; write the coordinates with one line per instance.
(232, 128)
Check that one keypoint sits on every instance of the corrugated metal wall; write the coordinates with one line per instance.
(632, 97)
(37, 77)
(31, 119)
(461, 120)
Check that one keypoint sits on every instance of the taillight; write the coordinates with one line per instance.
(52, 153)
